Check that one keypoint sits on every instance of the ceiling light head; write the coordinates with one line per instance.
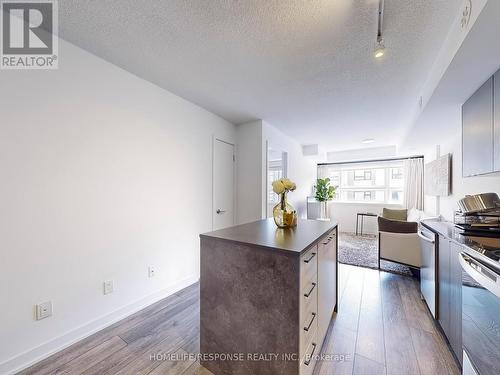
(368, 141)
(379, 49)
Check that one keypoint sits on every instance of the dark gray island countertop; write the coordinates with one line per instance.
(265, 234)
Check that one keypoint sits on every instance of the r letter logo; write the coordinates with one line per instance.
(29, 31)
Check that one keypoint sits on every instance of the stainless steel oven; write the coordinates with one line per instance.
(480, 315)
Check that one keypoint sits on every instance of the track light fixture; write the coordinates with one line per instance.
(380, 47)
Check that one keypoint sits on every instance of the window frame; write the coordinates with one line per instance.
(337, 173)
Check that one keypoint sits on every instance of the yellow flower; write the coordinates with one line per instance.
(278, 187)
(287, 183)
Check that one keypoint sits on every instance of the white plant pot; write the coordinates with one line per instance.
(323, 210)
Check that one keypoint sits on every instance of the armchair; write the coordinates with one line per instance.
(398, 239)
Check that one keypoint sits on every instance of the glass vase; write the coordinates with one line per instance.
(284, 214)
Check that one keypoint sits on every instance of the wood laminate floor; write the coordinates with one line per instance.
(382, 328)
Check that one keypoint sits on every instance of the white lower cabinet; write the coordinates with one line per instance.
(318, 298)
(327, 283)
(309, 359)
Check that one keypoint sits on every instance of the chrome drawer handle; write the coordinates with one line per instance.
(310, 323)
(308, 260)
(309, 293)
(310, 357)
(328, 240)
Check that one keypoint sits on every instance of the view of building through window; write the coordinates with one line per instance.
(377, 182)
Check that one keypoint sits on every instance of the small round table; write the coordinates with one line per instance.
(362, 214)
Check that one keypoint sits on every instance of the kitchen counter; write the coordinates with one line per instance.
(448, 230)
(266, 293)
(484, 248)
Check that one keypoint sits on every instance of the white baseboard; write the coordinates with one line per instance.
(32, 356)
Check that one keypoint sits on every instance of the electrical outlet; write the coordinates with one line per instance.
(151, 271)
(43, 310)
(108, 286)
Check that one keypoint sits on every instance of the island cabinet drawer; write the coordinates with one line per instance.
(308, 359)
(309, 298)
(308, 329)
(329, 237)
(309, 267)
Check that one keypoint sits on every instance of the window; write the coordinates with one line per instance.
(397, 173)
(362, 195)
(362, 175)
(376, 182)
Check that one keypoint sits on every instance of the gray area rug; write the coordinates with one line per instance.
(363, 251)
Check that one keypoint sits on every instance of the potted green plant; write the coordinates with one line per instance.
(324, 193)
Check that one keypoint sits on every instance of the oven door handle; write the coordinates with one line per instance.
(474, 269)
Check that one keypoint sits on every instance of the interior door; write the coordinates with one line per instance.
(223, 184)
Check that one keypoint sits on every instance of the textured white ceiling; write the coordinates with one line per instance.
(304, 66)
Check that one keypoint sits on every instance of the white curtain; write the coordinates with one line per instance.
(414, 183)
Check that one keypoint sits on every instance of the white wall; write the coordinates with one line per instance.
(461, 186)
(301, 169)
(251, 158)
(366, 153)
(103, 174)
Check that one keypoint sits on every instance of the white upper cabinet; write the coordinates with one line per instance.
(477, 132)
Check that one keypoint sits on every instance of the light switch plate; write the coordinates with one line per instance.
(151, 271)
(43, 310)
(108, 286)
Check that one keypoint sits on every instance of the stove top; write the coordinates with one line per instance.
(488, 247)
(485, 230)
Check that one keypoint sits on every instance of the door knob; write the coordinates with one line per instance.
(219, 211)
